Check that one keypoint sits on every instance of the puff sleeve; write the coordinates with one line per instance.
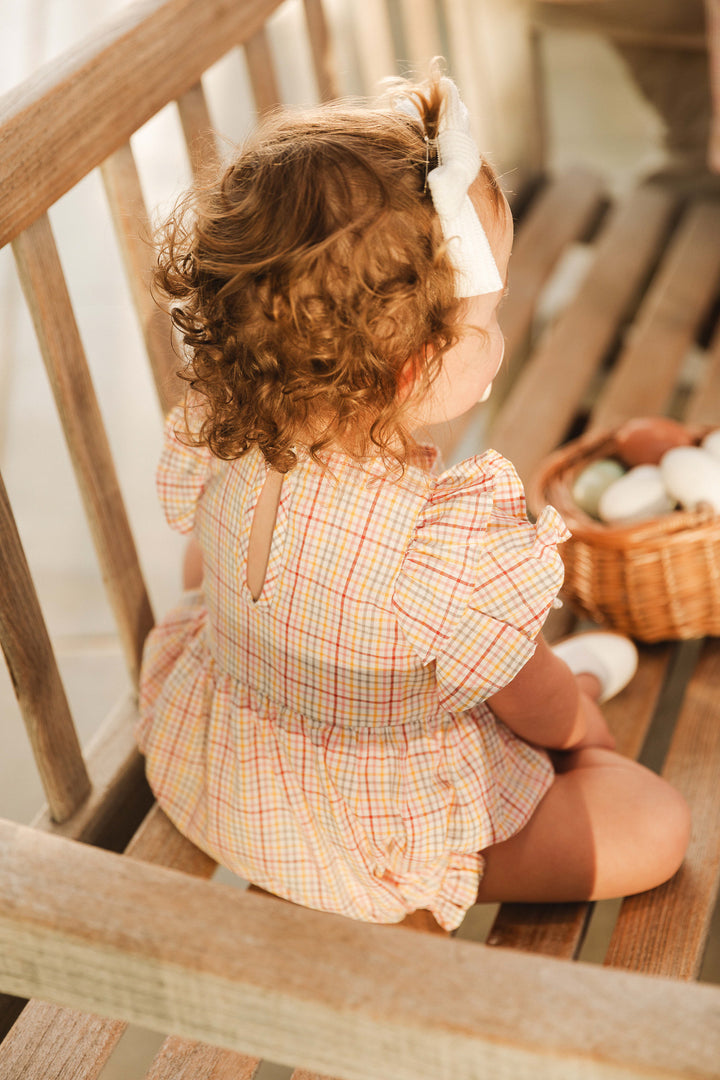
(182, 473)
(478, 579)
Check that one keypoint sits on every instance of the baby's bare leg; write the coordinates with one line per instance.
(607, 827)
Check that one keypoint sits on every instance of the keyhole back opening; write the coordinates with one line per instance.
(261, 532)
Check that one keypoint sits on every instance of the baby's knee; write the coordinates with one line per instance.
(668, 826)
(678, 827)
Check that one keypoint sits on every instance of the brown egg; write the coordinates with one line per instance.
(645, 440)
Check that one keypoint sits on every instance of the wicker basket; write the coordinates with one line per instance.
(655, 580)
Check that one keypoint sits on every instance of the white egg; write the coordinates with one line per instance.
(692, 476)
(711, 443)
(637, 495)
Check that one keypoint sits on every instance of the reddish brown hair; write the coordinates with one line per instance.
(307, 275)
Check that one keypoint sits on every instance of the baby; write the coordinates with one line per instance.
(353, 706)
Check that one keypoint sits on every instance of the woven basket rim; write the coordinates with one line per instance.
(552, 484)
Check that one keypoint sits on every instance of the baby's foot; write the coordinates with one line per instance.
(611, 658)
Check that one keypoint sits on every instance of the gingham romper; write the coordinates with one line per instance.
(329, 741)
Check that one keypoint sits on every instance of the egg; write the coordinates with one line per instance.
(711, 443)
(637, 495)
(692, 476)
(592, 482)
(645, 440)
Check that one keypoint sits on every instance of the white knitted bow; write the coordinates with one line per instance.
(458, 165)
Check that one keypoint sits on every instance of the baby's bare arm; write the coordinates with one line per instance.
(545, 705)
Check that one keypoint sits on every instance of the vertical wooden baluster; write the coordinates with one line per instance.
(466, 53)
(198, 130)
(132, 224)
(322, 52)
(376, 49)
(36, 678)
(42, 279)
(422, 35)
(261, 69)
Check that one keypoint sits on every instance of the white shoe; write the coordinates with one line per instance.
(611, 658)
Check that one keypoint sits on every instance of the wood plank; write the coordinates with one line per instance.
(32, 1051)
(47, 296)
(551, 385)
(492, 55)
(374, 43)
(422, 33)
(261, 70)
(49, 1042)
(321, 49)
(184, 1059)
(558, 216)
(36, 678)
(705, 406)
(198, 130)
(133, 228)
(78, 109)
(674, 306)
(664, 932)
(152, 945)
(468, 55)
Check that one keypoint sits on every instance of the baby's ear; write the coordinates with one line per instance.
(410, 372)
(408, 377)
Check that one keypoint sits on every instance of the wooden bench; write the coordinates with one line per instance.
(96, 939)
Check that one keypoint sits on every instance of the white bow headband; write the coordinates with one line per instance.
(458, 165)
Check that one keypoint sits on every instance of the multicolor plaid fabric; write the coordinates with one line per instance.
(330, 741)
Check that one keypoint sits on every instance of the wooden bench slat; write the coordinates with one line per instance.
(132, 225)
(149, 944)
(664, 932)
(32, 1051)
(321, 49)
(36, 678)
(185, 1059)
(551, 386)
(673, 308)
(198, 130)
(705, 406)
(47, 296)
(261, 70)
(73, 113)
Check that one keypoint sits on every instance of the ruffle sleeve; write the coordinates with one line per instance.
(478, 579)
(182, 473)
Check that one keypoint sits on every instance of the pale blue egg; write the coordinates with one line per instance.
(593, 481)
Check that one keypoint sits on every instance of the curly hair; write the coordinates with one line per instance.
(305, 278)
